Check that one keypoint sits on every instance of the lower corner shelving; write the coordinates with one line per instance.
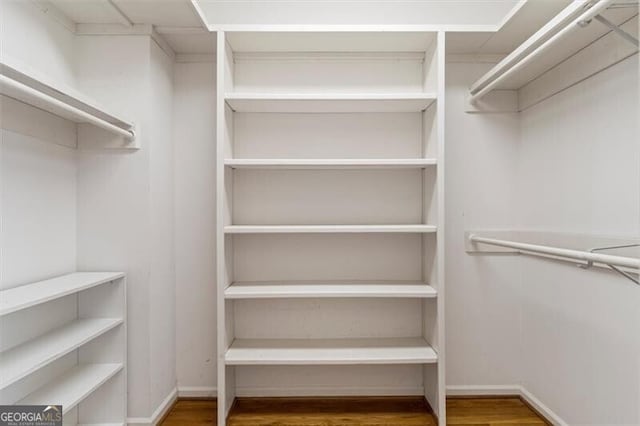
(72, 387)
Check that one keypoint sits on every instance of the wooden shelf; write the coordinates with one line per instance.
(25, 296)
(330, 351)
(31, 87)
(331, 289)
(32, 355)
(72, 387)
(328, 229)
(289, 163)
(329, 102)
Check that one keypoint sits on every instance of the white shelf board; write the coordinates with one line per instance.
(24, 74)
(34, 354)
(330, 351)
(327, 289)
(327, 229)
(28, 295)
(563, 48)
(72, 387)
(329, 102)
(327, 163)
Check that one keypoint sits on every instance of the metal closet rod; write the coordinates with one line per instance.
(590, 257)
(574, 25)
(50, 100)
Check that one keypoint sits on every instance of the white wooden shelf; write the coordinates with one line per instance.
(25, 296)
(22, 83)
(330, 351)
(331, 289)
(329, 102)
(328, 229)
(72, 387)
(32, 355)
(288, 163)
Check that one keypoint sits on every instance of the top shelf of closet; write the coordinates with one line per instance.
(564, 36)
(329, 102)
(26, 296)
(20, 82)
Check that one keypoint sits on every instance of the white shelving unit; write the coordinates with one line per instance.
(330, 149)
(77, 358)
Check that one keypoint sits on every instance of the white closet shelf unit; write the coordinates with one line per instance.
(36, 369)
(331, 289)
(578, 25)
(328, 229)
(20, 82)
(330, 351)
(330, 188)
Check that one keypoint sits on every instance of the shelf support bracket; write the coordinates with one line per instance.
(613, 27)
(627, 275)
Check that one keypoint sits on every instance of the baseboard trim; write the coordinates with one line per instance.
(328, 391)
(542, 409)
(197, 392)
(161, 411)
(508, 390)
(484, 390)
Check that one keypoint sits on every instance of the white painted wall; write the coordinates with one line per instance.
(125, 205)
(568, 164)
(37, 178)
(194, 162)
(34, 38)
(579, 171)
(483, 293)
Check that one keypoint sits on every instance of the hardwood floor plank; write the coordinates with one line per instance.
(371, 411)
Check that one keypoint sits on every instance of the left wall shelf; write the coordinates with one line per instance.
(19, 82)
(65, 342)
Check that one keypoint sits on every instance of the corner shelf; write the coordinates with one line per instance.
(60, 353)
(72, 387)
(330, 351)
(26, 296)
(329, 102)
(328, 229)
(28, 357)
(290, 163)
(331, 289)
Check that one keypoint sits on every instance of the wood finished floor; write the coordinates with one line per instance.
(355, 411)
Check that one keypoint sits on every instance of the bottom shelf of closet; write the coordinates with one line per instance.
(413, 350)
(73, 386)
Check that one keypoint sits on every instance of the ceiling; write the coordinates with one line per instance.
(185, 31)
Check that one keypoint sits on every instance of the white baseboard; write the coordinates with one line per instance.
(197, 392)
(328, 391)
(542, 409)
(158, 414)
(483, 390)
(504, 390)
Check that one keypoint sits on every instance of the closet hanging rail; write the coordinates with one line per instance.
(24, 93)
(590, 257)
(507, 67)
